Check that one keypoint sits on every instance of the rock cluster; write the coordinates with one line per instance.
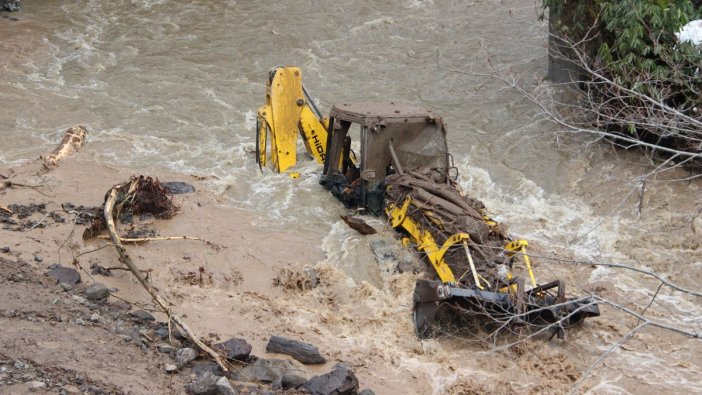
(276, 374)
(9, 5)
(251, 375)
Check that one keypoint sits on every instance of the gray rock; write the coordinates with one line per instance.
(66, 287)
(161, 332)
(301, 351)
(97, 292)
(225, 387)
(96, 269)
(36, 385)
(95, 317)
(120, 306)
(69, 389)
(267, 371)
(64, 275)
(199, 369)
(204, 385)
(312, 276)
(165, 348)
(238, 349)
(142, 316)
(177, 187)
(366, 392)
(38, 258)
(340, 381)
(184, 356)
(292, 380)
(170, 368)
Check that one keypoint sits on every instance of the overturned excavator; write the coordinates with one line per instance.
(403, 169)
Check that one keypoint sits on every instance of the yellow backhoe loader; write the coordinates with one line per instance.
(403, 169)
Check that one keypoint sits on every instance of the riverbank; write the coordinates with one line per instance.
(242, 279)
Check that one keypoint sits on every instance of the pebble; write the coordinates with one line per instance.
(170, 368)
(69, 389)
(66, 287)
(38, 258)
(95, 317)
(162, 332)
(292, 380)
(204, 367)
(63, 274)
(206, 384)
(97, 292)
(236, 348)
(141, 316)
(165, 348)
(225, 387)
(184, 356)
(36, 385)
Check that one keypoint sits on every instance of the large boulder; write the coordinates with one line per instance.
(301, 351)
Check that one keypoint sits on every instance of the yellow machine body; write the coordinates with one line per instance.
(288, 111)
(396, 137)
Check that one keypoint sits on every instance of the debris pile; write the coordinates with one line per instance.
(139, 195)
(440, 207)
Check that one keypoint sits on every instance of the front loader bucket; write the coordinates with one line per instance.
(536, 307)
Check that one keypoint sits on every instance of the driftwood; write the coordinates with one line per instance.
(72, 141)
(127, 190)
(158, 238)
(443, 191)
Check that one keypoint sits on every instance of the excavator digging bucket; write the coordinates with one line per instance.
(434, 302)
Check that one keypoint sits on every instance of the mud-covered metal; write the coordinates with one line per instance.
(392, 136)
(538, 307)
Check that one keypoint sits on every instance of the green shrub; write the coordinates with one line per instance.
(633, 44)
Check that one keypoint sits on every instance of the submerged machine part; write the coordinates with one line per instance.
(403, 169)
(289, 110)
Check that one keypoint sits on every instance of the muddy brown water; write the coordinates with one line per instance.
(176, 84)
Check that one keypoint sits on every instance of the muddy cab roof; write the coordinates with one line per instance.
(368, 113)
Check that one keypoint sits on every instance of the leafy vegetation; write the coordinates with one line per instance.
(633, 60)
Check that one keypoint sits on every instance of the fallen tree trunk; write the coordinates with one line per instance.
(128, 189)
(72, 141)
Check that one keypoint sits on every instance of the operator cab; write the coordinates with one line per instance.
(394, 138)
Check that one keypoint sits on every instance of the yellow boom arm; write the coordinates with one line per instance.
(286, 113)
